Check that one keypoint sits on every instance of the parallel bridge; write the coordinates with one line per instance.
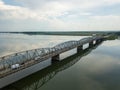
(30, 58)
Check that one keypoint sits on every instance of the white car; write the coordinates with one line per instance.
(37, 58)
(15, 66)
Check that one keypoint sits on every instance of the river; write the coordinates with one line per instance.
(95, 69)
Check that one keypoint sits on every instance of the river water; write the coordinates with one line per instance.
(97, 68)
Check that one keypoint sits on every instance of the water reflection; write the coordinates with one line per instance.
(110, 48)
(37, 80)
(118, 37)
(12, 43)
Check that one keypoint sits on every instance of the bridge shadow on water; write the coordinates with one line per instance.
(37, 80)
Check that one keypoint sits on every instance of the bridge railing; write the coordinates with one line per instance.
(39, 54)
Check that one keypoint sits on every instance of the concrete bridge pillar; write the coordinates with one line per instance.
(91, 44)
(56, 58)
(79, 49)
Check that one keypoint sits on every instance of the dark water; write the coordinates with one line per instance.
(97, 68)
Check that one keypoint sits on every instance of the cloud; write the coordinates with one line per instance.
(61, 14)
(17, 12)
(51, 8)
(108, 22)
(111, 2)
(76, 3)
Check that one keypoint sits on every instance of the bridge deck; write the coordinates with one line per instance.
(28, 58)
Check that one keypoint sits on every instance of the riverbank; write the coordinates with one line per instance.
(70, 33)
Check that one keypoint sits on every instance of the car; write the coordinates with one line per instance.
(37, 58)
(15, 66)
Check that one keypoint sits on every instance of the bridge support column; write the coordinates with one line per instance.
(56, 58)
(79, 49)
(91, 44)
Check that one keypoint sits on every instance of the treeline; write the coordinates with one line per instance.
(73, 33)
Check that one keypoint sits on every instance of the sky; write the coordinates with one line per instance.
(59, 15)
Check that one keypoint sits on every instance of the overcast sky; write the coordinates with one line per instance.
(59, 15)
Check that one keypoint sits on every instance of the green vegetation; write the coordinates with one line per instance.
(72, 33)
(111, 37)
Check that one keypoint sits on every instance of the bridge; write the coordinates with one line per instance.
(37, 59)
(42, 77)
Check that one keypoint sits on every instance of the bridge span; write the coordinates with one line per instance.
(43, 76)
(22, 64)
